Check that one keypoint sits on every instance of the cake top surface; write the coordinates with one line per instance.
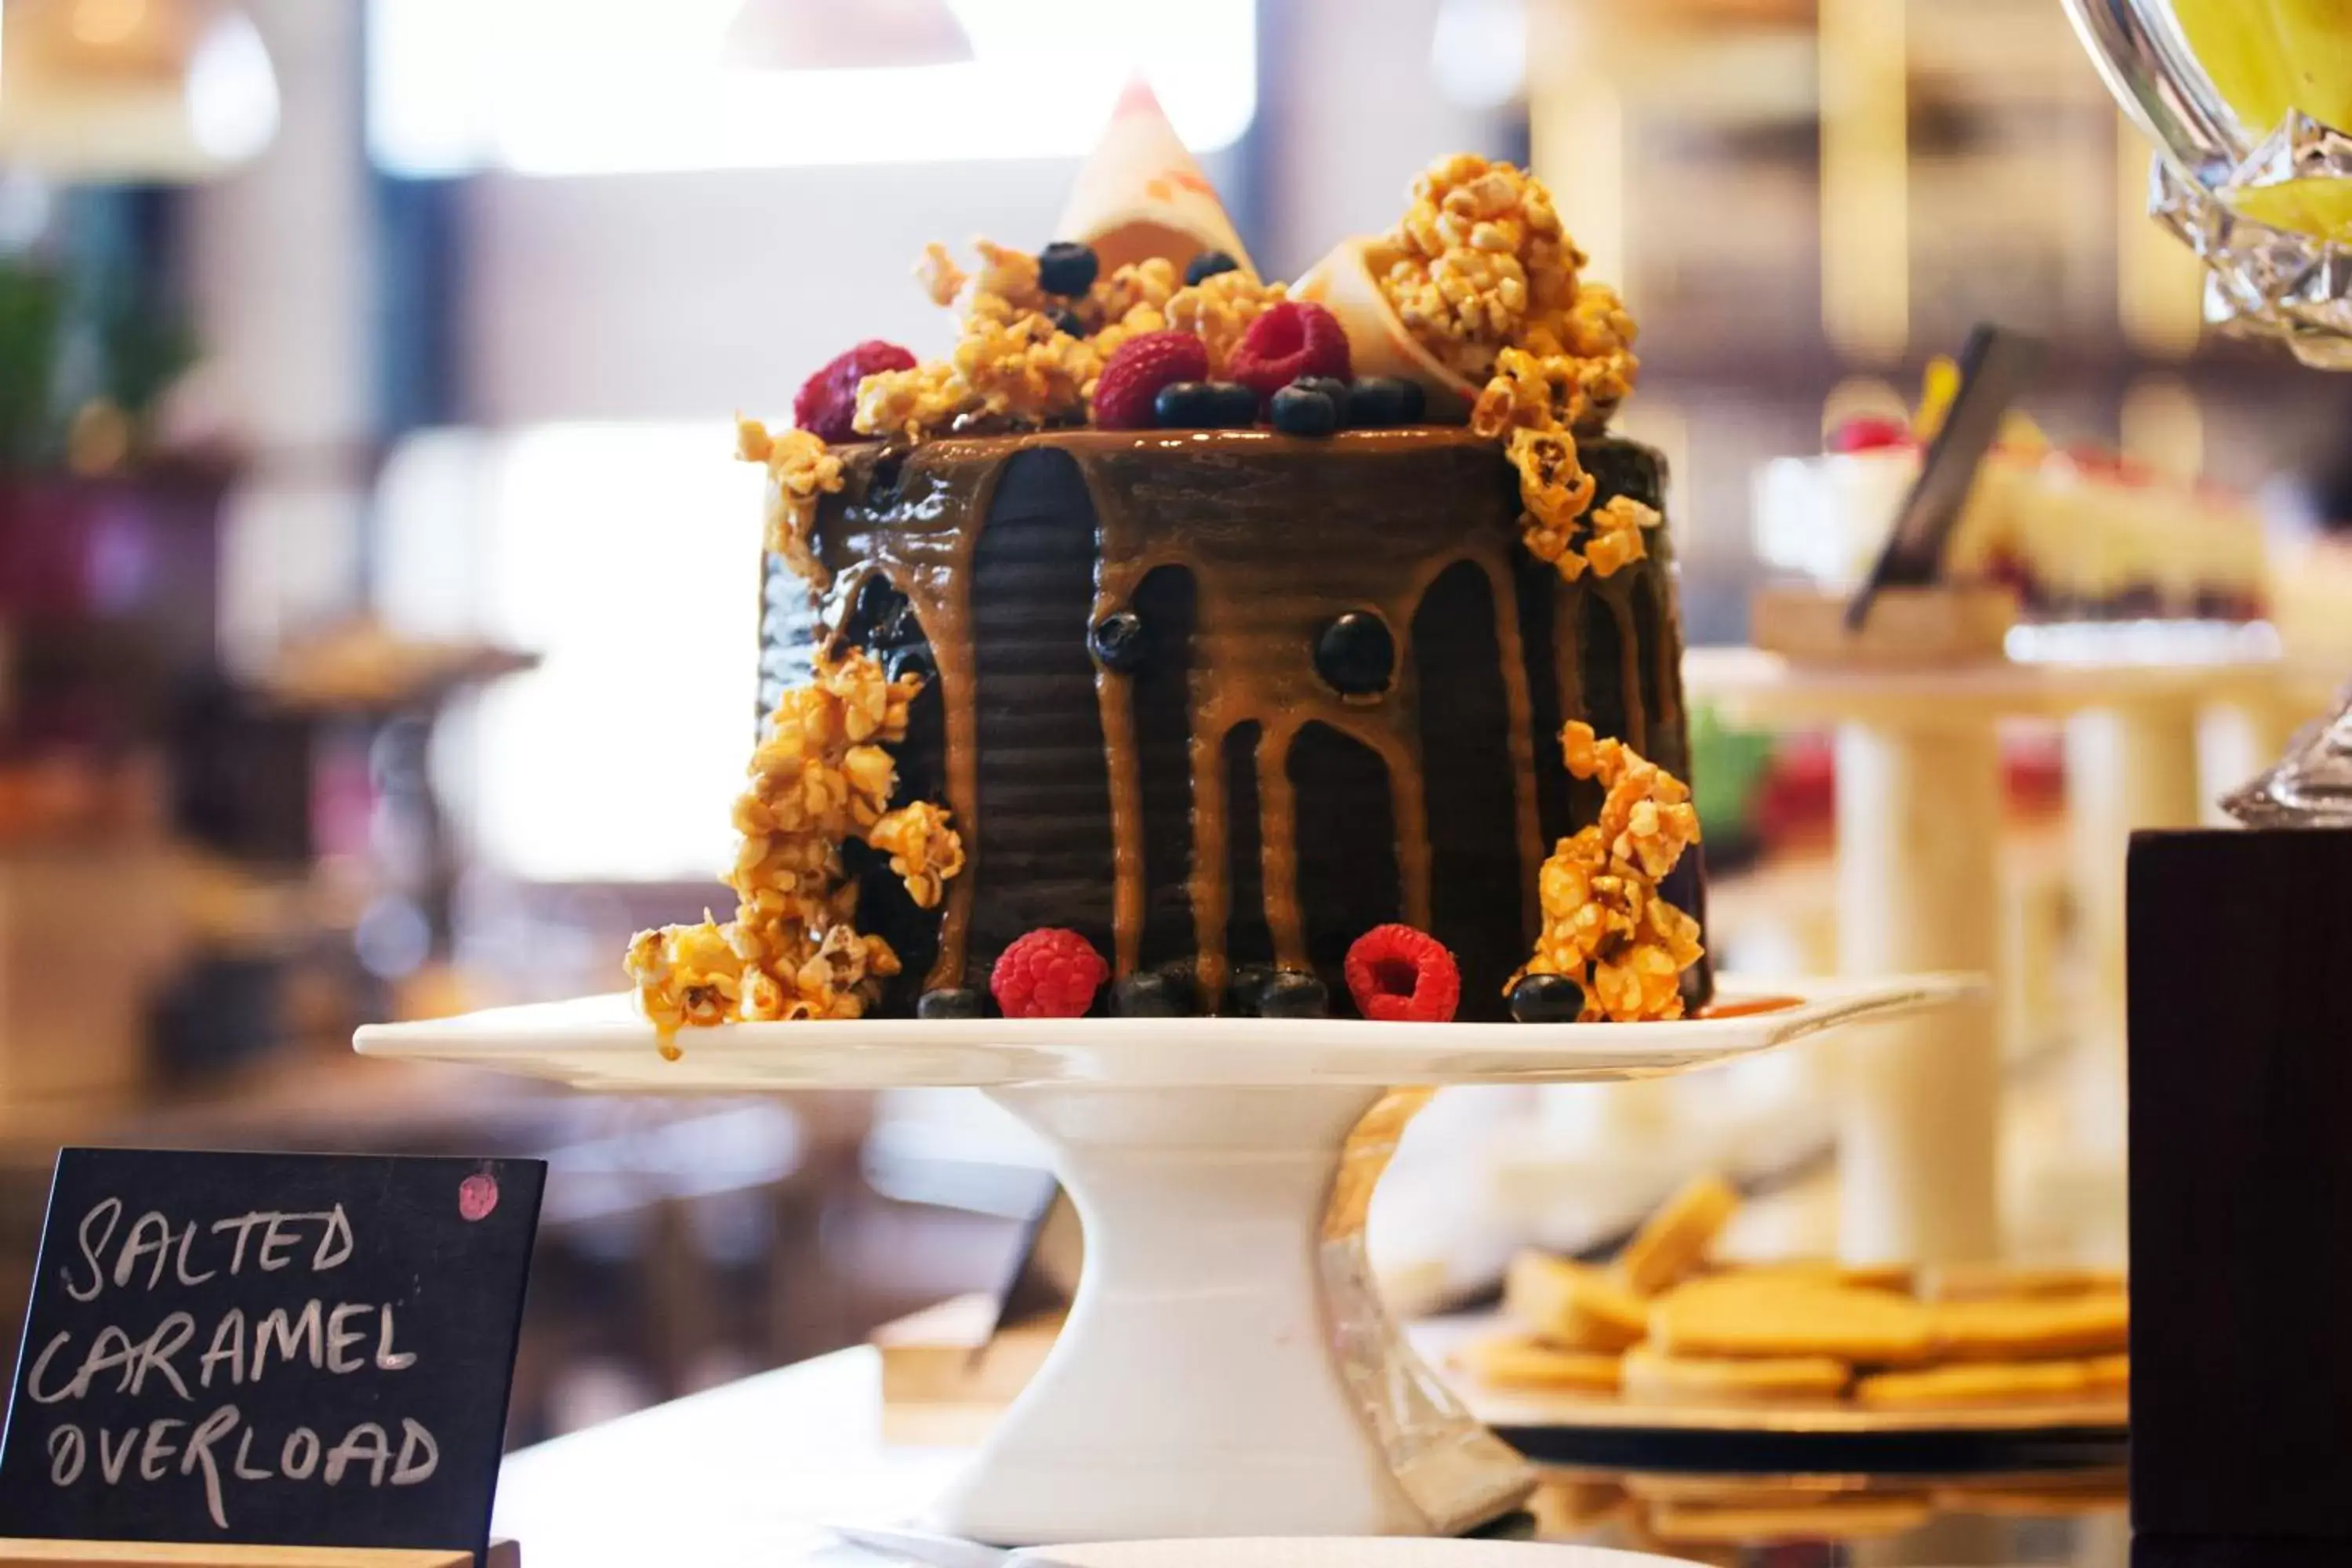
(1472, 311)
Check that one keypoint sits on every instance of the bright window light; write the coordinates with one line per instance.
(589, 87)
(628, 557)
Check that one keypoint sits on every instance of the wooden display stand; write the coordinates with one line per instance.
(2240, 1071)
(1907, 629)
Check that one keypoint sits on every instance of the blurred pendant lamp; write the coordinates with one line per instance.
(132, 90)
(825, 34)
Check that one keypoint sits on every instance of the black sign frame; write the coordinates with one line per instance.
(374, 1302)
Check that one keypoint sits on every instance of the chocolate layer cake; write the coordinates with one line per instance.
(1224, 699)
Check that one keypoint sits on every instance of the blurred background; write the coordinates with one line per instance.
(377, 593)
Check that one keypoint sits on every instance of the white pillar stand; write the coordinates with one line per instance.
(1215, 1252)
(1918, 823)
(1919, 842)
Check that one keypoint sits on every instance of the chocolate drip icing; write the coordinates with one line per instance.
(1219, 799)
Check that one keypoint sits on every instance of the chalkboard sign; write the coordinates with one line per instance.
(269, 1348)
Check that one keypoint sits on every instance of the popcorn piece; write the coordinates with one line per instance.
(924, 850)
(911, 403)
(820, 778)
(941, 278)
(1139, 285)
(801, 473)
(684, 974)
(1605, 925)
(1617, 528)
(1555, 490)
(1219, 308)
(1009, 277)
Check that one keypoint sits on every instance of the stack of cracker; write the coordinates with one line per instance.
(1661, 1324)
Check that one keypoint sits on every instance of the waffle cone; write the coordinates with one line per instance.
(1141, 194)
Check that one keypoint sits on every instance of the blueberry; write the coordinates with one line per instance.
(1294, 994)
(1155, 993)
(1356, 654)
(1547, 999)
(954, 1002)
(1330, 386)
(1207, 264)
(1246, 987)
(1231, 405)
(1184, 405)
(1379, 399)
(1121, 641)
(1299, 412)
(1067, 269)
(1066, 319)
(1205, 406)
(915, 661)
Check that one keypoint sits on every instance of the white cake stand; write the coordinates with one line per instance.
(1226, 1368)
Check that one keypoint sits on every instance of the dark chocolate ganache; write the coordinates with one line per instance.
(1222, 698)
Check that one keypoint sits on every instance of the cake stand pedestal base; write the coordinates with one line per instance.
(1224, 1242)
(1226, 1368)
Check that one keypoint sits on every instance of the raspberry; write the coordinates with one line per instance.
(1138, 368)
(1398, 975)
(1869, 433)
(1049, 973)
(828, 399)
(1289, 339)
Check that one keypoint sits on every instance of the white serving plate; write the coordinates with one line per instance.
(1340, 1552)
(603, 1043)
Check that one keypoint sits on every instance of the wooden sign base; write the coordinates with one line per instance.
(15, 1553)
(1907, 629)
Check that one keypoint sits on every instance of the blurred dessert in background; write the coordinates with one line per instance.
(1667, 1322)
(2080, 533)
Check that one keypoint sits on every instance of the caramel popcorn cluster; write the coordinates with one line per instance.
(801, 472)
(1013, 365)
(1476, 259)
(793, 951)
(1605, 924)
(1483, 276)
(1018, 365)
(1219, 308)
